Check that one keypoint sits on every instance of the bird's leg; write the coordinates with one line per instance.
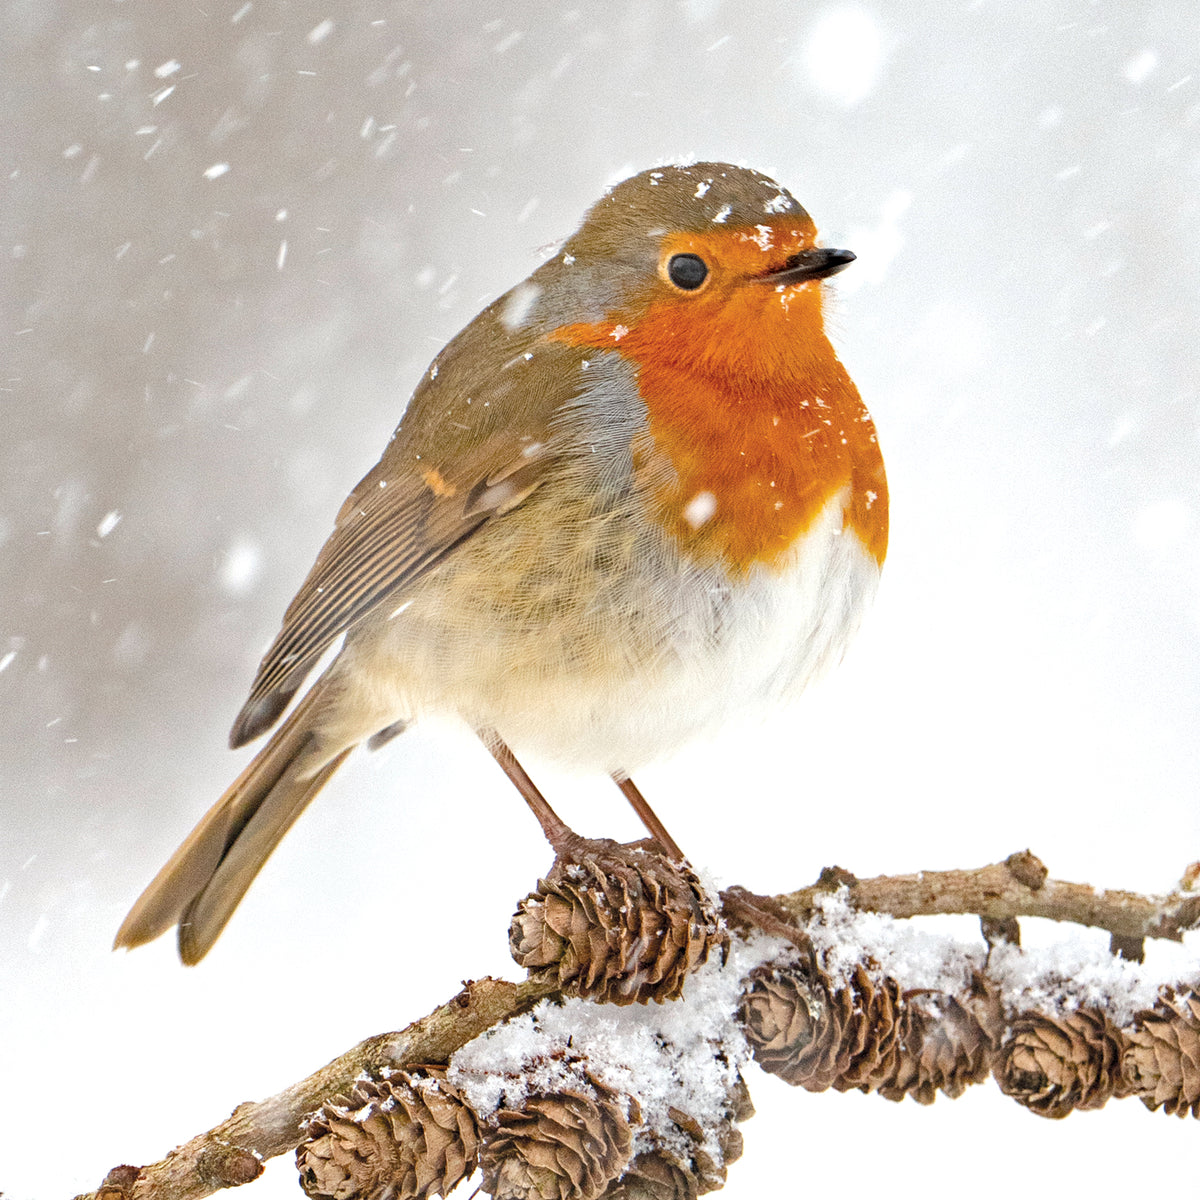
(558, 833)
(648, 817)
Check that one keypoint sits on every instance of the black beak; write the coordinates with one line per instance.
(809, 264)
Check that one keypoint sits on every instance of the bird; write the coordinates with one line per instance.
(637, 495)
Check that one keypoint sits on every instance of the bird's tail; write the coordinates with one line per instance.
(208, 875)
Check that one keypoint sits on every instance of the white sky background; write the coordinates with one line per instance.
(232, 236)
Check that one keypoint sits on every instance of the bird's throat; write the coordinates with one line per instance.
(751, 431)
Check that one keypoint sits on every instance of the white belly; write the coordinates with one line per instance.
(777, 633)
(607, 671)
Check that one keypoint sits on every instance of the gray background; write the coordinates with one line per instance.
(184, 403)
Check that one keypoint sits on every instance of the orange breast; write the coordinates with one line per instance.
(754, 424)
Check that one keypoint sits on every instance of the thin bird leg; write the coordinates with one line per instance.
(560, 835)
(648, 817)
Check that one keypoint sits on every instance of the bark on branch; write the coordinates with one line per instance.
(1017, 887)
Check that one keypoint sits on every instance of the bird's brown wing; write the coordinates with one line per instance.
(412, 510)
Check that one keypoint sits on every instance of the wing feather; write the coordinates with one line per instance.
(409, 512)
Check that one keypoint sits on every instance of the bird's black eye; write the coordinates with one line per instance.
(687, 271)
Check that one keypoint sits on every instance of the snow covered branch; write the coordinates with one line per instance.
(571, 1086)
(1017, 887)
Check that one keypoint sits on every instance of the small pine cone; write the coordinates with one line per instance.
(814, 1035)
(871, 1041)
(1054, 1065)
(406, 1137)
(943, 1046)
(1162, 1058)
(565, 1146)
(686, 1166)
(655, 1176)
(621, 924)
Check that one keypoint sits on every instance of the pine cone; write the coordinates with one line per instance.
(655, 1176)
(1054, 1065)
(814, 1035)
(684, 1167)
(622, 924)
(871, 1040)
(1162, 1059)
(405, 1137)
(943, 1046)
(566, 1146)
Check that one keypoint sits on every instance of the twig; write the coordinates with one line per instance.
(1016, 887)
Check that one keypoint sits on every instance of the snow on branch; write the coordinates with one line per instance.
(616, 1069)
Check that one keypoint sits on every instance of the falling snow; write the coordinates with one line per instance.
(242, 564)
(844, 55)
(108, 523)
(519, 305)
(320, 32)
(1139, 69)
(1021, 322)
(700, 509)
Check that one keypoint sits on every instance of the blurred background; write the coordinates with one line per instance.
(232, 235)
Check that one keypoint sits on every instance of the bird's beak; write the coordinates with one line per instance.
(809, 264)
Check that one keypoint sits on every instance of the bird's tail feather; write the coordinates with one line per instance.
(208, 875)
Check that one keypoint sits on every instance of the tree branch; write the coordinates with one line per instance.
(232, 1152)
(1017, 887)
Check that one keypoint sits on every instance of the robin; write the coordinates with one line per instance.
(636, 494)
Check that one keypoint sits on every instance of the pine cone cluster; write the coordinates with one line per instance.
(865, 1034)
(1162, 1056)
(567, 1146)
(1056, 1064)
(618, 924)
(404, 1138)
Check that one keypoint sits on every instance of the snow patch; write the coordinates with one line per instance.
(685, 1054)
(1065, 976)
(907, 951)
